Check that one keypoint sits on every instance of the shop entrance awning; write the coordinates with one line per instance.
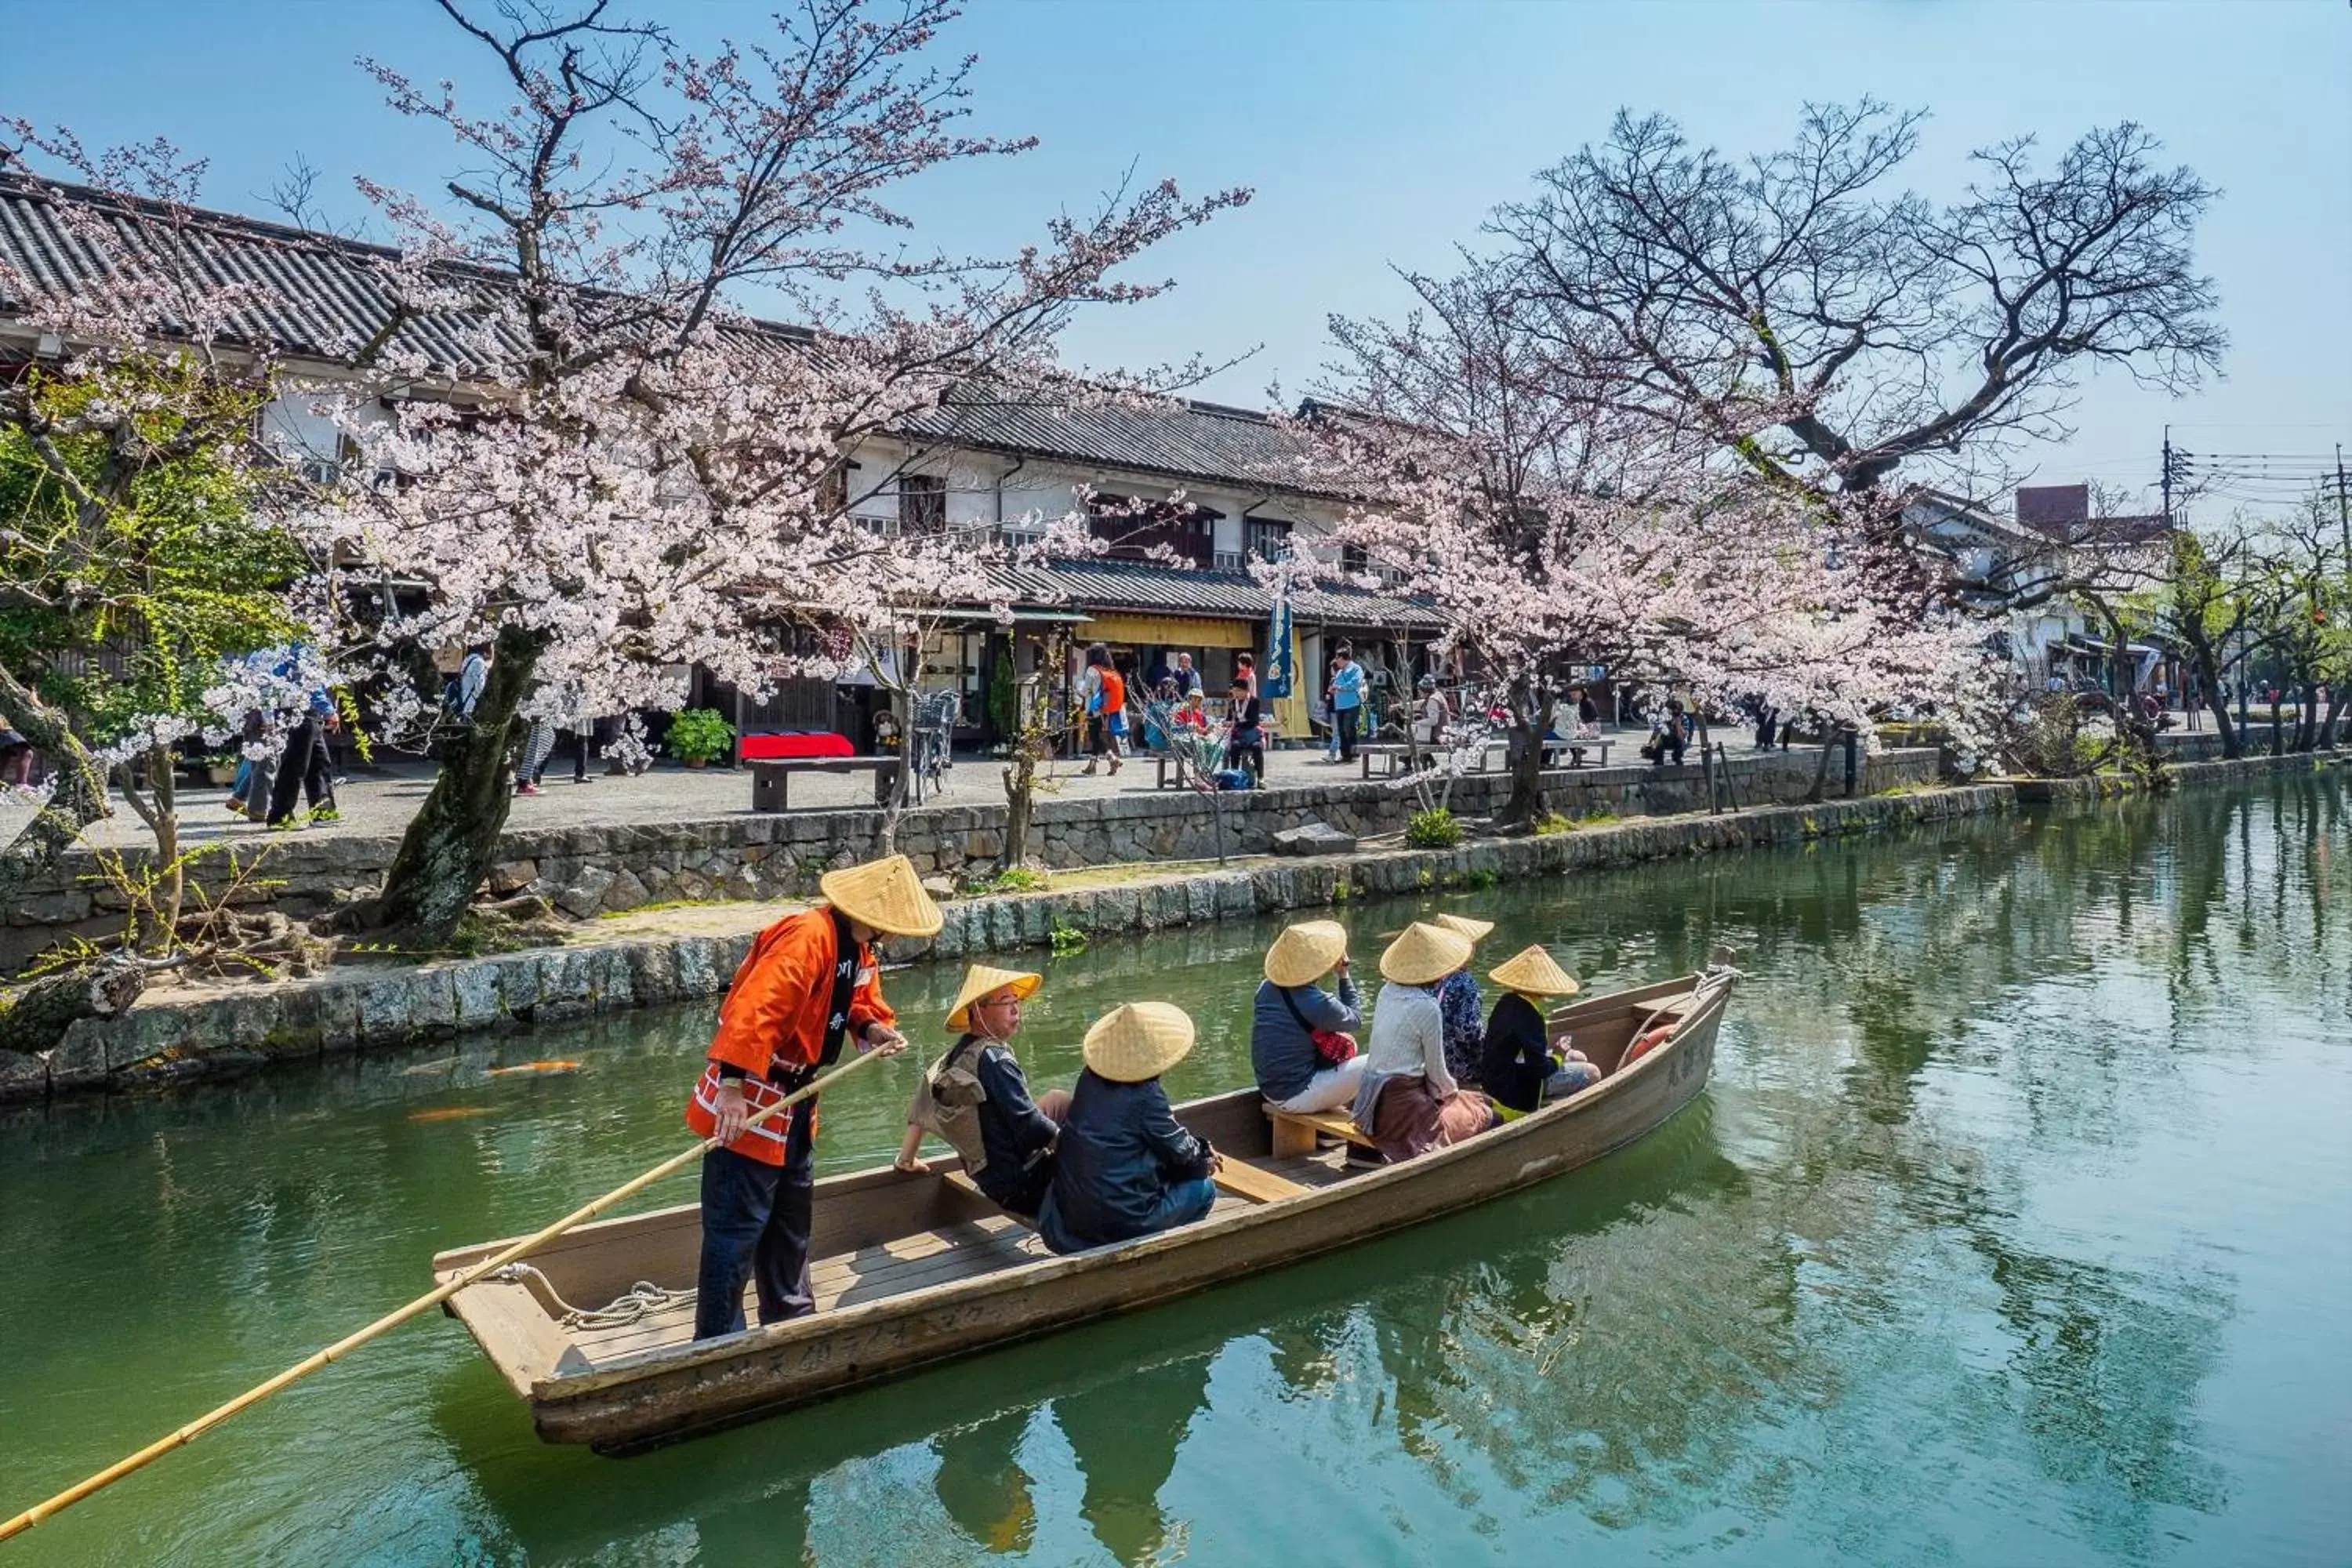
(1173, 631)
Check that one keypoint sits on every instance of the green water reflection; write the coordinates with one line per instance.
(2013, 1229)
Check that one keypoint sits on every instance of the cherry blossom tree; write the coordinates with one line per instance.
(629, 474)
(1549, 525)
(137, 555)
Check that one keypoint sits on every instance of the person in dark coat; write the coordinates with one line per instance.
(976, 1099)
(1519, 1068)
(1125, 1166)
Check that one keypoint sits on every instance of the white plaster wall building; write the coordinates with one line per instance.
(1217, 485)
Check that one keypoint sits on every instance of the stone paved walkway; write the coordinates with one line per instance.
(380, 802)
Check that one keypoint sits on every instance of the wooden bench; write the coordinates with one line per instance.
(963, 1182)
(1295, 1131)
(1245, 1181)
(771, 780)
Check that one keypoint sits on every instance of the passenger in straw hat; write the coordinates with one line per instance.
(1521, 1069)
(1125, 1166)
(1409, 1102)
(1302, 1037)
(1459, 1006)
(976, 1099)
(808, 983)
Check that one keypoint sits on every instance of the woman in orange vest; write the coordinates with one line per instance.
(809, 983)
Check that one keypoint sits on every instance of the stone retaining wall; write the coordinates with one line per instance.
(2181, 775)
(168, 1039)
(588, 871)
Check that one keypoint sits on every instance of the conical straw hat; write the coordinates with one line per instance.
(885, 894)
(1138, 1041)
(980, 981)
(1476, 929)
(1305, 953)
(1424, 954)
(1531, 971)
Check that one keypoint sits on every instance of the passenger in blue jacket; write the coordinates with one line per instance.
(1302, 1037)
(1125, 1166)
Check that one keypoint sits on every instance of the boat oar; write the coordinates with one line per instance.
(389, 1320)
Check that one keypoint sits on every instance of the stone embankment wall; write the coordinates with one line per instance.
(589, 871)
(162, 1039)
(2179, 774)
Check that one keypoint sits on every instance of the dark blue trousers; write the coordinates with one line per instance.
(755, 1223)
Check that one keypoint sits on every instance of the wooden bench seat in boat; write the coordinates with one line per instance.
(1295, 1131)
(1240, 1178)
(1247, 1181)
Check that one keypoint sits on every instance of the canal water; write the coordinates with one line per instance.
(2015, 1228)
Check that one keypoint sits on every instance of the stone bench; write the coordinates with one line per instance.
(771, 780)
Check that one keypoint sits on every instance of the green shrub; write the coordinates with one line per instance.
(698, 734)
(1433, 829)
(1553, 822)
(1065, 938)
(1011, 879)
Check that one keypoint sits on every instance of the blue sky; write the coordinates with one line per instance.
(1379, 133)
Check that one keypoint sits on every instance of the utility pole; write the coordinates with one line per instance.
(2167, 475)
(2343, 509)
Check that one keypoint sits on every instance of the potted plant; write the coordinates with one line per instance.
(220, 768)
(698, 734)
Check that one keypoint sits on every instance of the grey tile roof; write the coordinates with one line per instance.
(1183, 440)
(325, 295)
(320, 296)
(1102, 585)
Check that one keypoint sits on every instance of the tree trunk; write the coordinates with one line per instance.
(2217, 701)
(1821, 769)
(2306, 716)
(38, 1019)
(453, 841)
(154, 921)
(902, 709)
(1707, 763)
(2334, 715)
(1530, 718)
(76, 797)
(1020, 804)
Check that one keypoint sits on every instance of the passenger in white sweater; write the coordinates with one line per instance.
(1410, 1103)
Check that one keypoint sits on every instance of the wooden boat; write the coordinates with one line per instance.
(913, 1269)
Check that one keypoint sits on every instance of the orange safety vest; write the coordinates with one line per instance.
(776, 1017)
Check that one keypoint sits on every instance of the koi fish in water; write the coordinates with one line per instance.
(449, 1113)
(534, 1068)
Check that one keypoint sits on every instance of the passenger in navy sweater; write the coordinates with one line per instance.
(1292, 1071)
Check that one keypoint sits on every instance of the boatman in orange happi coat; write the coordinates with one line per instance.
(808, 983)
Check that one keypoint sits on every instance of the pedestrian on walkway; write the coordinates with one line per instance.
(1345, 692)
(1106, 705)
(537, 745)
(303, 767)
(1245, 746)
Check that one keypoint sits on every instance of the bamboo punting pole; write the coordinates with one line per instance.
(392, 1320)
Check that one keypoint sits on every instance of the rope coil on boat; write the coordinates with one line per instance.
(639, 1301)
